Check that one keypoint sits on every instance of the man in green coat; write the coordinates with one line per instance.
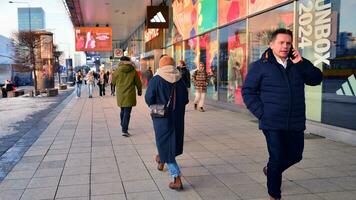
(126, 79)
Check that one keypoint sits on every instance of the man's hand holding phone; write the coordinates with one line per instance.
(294, 55)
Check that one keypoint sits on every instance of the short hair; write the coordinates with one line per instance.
(125, 58)
(182, 62)
(163, 55)
(281, 31)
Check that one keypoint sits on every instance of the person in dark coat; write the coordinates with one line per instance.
(182, 67)
(274, 93)
(169, 131)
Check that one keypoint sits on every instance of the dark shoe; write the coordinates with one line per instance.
(126, 134)
(201, 109)
(195, 106)
(265, 170)
(160, 165)
(177, 184)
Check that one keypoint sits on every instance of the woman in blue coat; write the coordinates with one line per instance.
(169, 131)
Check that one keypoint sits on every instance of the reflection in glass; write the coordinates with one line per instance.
(233, 65)
(262, 26)
(208, 47)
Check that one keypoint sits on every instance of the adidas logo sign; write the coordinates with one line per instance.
(158, 18)
(348, 88)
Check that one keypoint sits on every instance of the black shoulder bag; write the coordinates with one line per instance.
(162, 110)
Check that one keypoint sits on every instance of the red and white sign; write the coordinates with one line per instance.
(118, 53)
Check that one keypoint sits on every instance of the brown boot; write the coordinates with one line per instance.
(177, 184)
(160, 165)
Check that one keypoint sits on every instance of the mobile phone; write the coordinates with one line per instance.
(290, 54)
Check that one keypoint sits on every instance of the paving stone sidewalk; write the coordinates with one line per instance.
(81, 155)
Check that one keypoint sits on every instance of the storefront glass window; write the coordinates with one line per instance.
(231, 10)
(262, 26)
(191, 55)
(259, 5)
(178, 52)
(207, 18)
(326, 36)
(208, 53)
(233, 63)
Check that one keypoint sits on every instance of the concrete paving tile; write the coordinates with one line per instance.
(235, 179)
(25, 166)
(302, 197)
(200, 182)
(318, 185)
(347, 183)
(222, 169)
(194, 171)
(104, 169)
(73, 191)
(52, 164)
(57, 157)
(344, 195)
(74, 198)
(249, 191)
(217, 193)
(144, 195)
(48, 172)
(109, 197)
(140, 186)
(44, 182)
(81, 179)
(10, 194)
(106, 188)
(76, 170)
(289, 187)
(20, 174)
(325, 172)
(39, 193)
(105, 178)
(14, 184)
(187, 194)
(298, 174)
(211, 161)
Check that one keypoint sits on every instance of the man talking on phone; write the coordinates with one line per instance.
(274, 93)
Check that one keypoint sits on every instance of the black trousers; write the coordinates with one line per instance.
(125, 118)
(102, 89)
(285, 148)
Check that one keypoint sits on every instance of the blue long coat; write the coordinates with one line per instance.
(169, 131)
(275, 95)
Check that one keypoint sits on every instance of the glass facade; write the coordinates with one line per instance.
(37, 19)
(324, 33)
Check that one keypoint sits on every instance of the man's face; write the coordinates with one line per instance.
(201, 66)
(281, 45)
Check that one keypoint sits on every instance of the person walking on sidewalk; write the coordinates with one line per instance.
(79, 82)
(112, 85)
(169, 130)
(184, 71)
(274, 93)
(102, 80)
(127, 81)
(90, 83)
(200, 80)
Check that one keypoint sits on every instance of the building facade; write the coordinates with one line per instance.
(229, 35)
(37, 20)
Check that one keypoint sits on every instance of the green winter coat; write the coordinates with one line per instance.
(126, 79)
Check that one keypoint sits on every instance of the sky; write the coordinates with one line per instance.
(57, 21)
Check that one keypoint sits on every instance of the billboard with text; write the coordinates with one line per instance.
(93, 39)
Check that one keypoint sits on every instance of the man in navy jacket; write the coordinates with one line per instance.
(274, 92)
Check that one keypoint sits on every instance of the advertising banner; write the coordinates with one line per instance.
(93, 38)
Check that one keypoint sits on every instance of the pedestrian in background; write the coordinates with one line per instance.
(200, 80)
(79, 82)
(126, 80)
(274, 92)
(102, 80)
(169, 131)
(91, 83)
(184, 71)
(112, 85)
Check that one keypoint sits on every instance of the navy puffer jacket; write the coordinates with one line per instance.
(275, 95)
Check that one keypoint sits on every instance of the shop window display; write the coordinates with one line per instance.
(231, 10)
(259, 5)
(208, 53)
(262, 26)
(233, 63)
(326, 36)
(191, 55)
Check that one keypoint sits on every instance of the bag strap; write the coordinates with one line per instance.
(170, 96)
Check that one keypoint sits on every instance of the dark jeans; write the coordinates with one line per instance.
(112, 89)
(102, 89)
(125, 118)
(285, 148)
